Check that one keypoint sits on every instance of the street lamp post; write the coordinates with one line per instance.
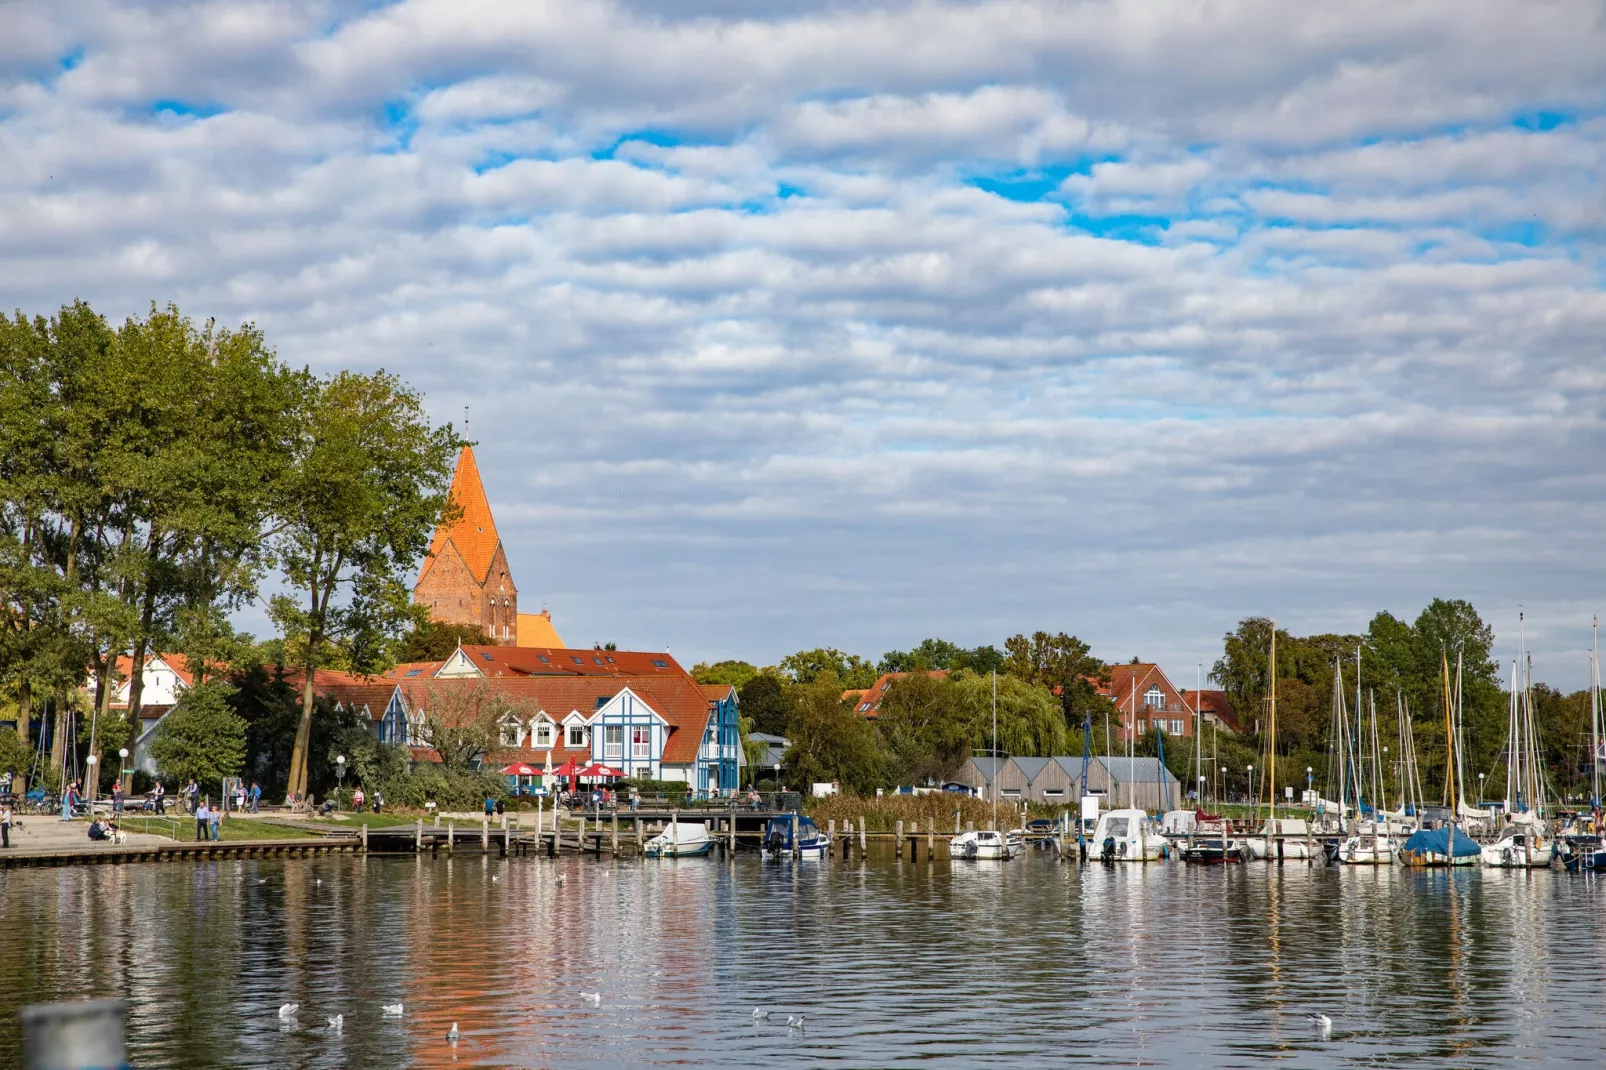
(1249, 781)
(122, 753)
(91, 785)
(340, 776)
(1221, 788)
(1201, 790)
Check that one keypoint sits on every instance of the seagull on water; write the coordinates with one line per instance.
(392, 1010)
(759, 1016)
(561, 878)
(452, 1034)
(1320, 1020)
(591, 997)
(495, 878)
(794, 1023)
(289, 1010)
(337, 1023)
(264, 880)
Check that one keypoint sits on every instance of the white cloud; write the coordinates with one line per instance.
(728, 292)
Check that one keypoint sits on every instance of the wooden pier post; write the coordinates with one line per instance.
(641, 842)
(797, 849)
(451, 837)
(731, 827)
(897, 841)
(970, 826)
(931, 843)
(437, 819)
(861, 838)
(614, 841)
(504, 836)
(580, 837)
(914, 842)
(485, 834)
(418, 838)
(847, 839)
(830, 839)
(365, 839)
(956, 822)
(674, 832)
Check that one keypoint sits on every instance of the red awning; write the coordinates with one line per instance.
(520, 769)
(570, 768)
(600, 770)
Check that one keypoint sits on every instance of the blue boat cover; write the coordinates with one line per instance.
(1438, 842)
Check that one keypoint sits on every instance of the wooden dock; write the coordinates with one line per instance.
(119, 854)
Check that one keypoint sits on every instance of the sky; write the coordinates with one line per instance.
(781, 325)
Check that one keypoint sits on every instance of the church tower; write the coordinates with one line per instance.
(465, 578)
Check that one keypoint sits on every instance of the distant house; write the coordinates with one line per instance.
(867, 701)
(1146, 700)
(1057, 781)
(978, 775)
(775, 748)
(165, 678)
(1216, 709)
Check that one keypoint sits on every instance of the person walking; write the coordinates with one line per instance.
(379, 800)
(358, 799)
(117, 799)
(490, 806)
(202, 820)
(5, 824)
(215, 818)
(192, 792)
(256, 796)
(161, 798)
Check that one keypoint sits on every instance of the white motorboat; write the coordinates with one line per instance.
(1128, 836)
(987, 844)
(1281, 837)
(1368, 847)
(681, 839)
(1521, 845)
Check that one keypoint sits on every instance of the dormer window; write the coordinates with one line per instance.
(543, 735)
(577, 736)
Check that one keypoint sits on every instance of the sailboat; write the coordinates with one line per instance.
(1366, 844)
(1447, 846)
(1523, 843)
(1273, 840)
(991, 843)
(1588, 853)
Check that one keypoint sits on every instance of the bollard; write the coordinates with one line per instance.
(74, 1036)
(897, 841)
(418, 837)
(614, 840)
(861, 838)
(365, 839)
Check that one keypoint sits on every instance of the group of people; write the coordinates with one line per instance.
(598, 798)
(105, 830)
(208, 820)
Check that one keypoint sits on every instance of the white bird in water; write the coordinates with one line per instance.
(1320, 1020)
(392, 1010)
(591, 997)
(338, 1022)
(794, 1023)
(452, 1034)
(317, 881)
(759, 1016)
(264, 880)
(561, 878)
(289, 1010)
(495, 878)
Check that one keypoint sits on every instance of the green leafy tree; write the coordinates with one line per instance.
(436, 640)
(202, 737)
(764, 701)
(807, 666)
(365, 488)
(1064, 665)
(926, 728)
(831, 743)
(1030, 719)
(941, 654)
(14, 754)
(734, 673)
(464, 723)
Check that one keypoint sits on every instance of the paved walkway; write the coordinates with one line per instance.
(39, 833)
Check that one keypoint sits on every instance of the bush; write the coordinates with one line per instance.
(674, 789)
(448, 789)
(933, 811)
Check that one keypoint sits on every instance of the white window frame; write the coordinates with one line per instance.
(1177, 728)
(576, 736)
(641, 742)
(1154, 698)
(543, 729)
(613, 741)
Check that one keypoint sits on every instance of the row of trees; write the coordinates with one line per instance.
(152, 474)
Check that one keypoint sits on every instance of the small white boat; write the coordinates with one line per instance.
(1127, 836)
(1280, 837)
(682, 839)
(1519, 847)
(1366, 848)
(988, 844)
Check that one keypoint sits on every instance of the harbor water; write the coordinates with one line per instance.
(1027, 962)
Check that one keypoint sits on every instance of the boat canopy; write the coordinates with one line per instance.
(1437, 841)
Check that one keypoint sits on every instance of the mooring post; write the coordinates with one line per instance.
(830, 839)
(365, 839)
(485, 834)
(451, 836)
(580, 837)
(847, 837)
(640, 842)
(956, 822)
(970, 826)
(418, 837)
(914, 841)
(731, 829)
(504, 836)
(797, 850)
(674, 833)
(437, 819)
(862, 840)
(931, 842)
(614, 839)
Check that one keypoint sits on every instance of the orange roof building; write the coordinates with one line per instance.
(867, 701)
(466, 580)
(1146, 700)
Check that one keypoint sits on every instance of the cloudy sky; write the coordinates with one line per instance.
(787, 324)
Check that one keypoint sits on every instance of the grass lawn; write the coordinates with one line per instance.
(235, 829)
(352, 821)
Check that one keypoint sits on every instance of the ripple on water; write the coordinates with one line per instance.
(974, 964)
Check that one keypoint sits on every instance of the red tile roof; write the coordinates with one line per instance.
(355, 697)
(1217, 703)
(473, 534)
(124, 667)
(561, 661)
(867, 702)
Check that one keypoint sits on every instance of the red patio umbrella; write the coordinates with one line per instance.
(568, 769)
(599, 770)
(520, 769)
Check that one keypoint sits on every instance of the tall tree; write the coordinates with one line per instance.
(366, 485)
(1030, 719)
(807, 666)
(1064, 665)
(202, 738)
(925, 727)
(435, 640)
(831, 743)
(765, 701)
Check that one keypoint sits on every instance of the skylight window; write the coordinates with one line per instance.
(661, 663)
(544, 659)
(486, 656)
(597, 660)
(577, 660)
(415, 672)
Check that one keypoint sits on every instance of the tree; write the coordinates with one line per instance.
(1064, 665)
(1031, 721)
(435, 640)
(807, 666)
(14, 754)
(465, 722)
(941, 654)
(925, 728)
(201, 738)
(734, 673)
(366, 486)
(831, 743)
(765, 702)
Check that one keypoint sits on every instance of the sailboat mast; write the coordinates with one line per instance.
(1355, 756)
(1271, 751)
(1594, 718)
(1198, 734)
(1377, 755)
(1449, 740)
(1460, 730)
(995, 750)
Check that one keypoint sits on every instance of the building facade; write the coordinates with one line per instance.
(1145, 701)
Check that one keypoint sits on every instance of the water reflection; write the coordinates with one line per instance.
(978, 963)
